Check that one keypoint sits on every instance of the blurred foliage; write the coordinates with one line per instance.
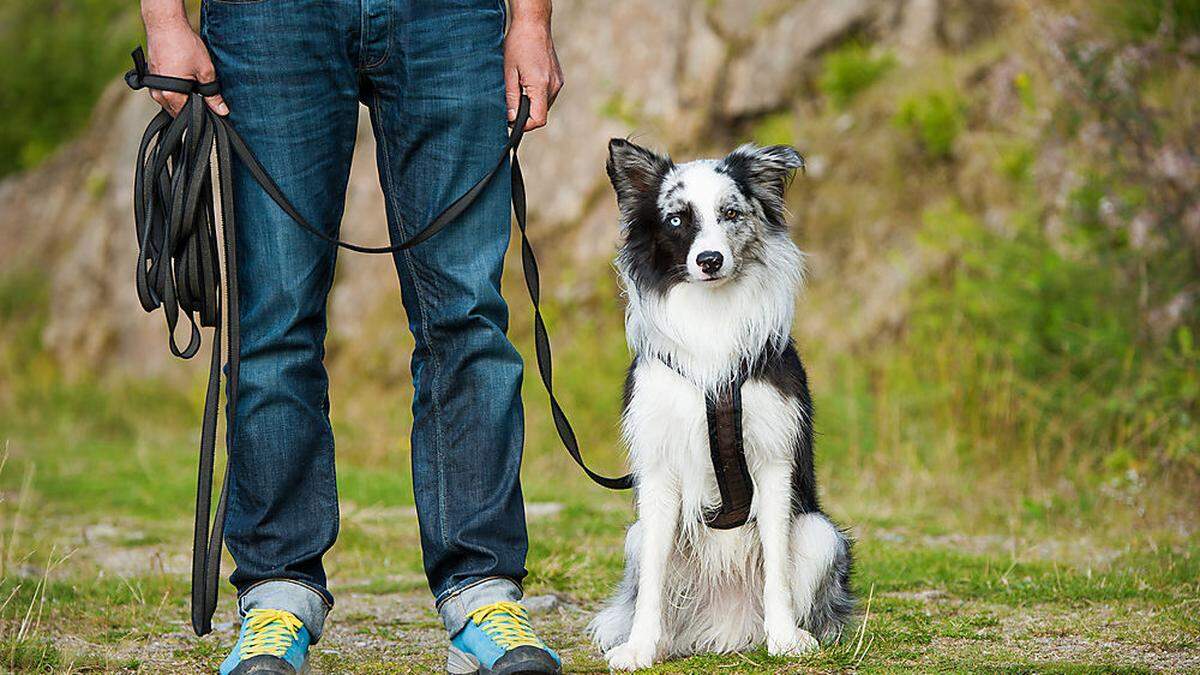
(58, 56)
(934, 120)
(1041, 350)
(776, 129)
(1144, 19)
(850, 69)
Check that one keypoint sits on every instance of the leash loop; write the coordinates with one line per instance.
(141, 78)
(179, 271)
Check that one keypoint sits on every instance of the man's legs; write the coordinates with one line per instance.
(436, 94)
(288, 76)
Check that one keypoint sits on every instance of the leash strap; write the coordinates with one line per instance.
(179, 271)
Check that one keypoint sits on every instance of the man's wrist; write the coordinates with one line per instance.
(163, 15)
(534, 12)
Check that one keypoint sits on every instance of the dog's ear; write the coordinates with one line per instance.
(634, 171)
(765, 172)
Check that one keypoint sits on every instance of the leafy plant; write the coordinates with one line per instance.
(934, 120)
(1142, 19)
(852, 69)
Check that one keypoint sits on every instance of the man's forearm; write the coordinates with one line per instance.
(159, 12)
(530, 10)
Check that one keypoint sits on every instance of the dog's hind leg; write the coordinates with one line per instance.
(611, 626)
(821, 563)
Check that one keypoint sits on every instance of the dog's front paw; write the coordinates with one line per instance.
(794, 643)
(630, 656)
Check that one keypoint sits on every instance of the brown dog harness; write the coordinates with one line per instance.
(726, 447)
(728, 450)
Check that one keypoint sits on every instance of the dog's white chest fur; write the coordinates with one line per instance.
(666, 428)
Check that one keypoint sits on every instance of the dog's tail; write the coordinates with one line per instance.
(833, 603)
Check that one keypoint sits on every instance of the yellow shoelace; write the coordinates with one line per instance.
(507, 623)
(269, 631)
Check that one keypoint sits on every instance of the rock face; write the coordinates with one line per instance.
(766, 75)
(670, 73)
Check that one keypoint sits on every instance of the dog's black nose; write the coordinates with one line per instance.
(710, 261)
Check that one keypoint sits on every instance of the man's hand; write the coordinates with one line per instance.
(174, 49)
(530, 63)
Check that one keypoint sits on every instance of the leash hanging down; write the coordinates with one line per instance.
(179, 271)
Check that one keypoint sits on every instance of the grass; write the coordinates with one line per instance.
(966, 578)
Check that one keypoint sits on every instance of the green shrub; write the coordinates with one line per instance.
(774, 129)
(1143, 19)
(58, 56)
(1016, 161)
(934, 121)
(850, 70)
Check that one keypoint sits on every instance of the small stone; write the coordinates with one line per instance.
(539, 604)
(542, 509)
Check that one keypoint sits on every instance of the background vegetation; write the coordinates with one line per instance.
(1001, 331)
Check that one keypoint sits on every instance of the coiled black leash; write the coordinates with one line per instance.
(179, 271)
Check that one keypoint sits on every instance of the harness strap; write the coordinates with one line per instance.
(726, 446)
(179, 271)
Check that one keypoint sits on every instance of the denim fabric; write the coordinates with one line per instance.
(308, 605)
(431, 73)
(455, 607)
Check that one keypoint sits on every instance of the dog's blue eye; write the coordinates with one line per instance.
(674, 221)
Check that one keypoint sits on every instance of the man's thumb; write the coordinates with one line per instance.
(217, 104)
(512, 92)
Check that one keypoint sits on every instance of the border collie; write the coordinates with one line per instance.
(711, 276)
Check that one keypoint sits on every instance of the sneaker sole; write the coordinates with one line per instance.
(459, 662)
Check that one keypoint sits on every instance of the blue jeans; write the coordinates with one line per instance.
(431, 73)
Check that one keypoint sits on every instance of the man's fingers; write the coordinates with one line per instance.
(170, 101)
(217, 104)
(538, 107)
(512, 92)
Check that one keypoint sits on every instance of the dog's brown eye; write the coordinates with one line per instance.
(732, 214)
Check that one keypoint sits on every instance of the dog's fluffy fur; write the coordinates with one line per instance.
(784, 577)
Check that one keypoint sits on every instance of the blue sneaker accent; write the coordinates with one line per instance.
(269, 635)
(497, 640)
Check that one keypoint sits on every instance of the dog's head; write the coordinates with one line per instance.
(702, 222)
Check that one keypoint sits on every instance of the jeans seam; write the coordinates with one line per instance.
(455, 592)
(418, 278)
(387, 51)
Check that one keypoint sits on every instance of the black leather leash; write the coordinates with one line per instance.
(179, 270)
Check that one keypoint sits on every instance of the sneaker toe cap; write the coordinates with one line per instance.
(264, 665)
(526, 660)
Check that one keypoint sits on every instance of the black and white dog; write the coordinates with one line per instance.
(712, 276)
